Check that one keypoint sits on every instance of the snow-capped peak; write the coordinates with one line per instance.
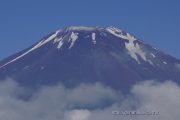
(71, 34)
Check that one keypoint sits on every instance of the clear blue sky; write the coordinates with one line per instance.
(24, 22)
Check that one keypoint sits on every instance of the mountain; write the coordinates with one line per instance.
(75, 55)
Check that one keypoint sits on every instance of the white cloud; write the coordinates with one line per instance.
(162, 97)
(89, 102)
(52, 102)
(77, 115)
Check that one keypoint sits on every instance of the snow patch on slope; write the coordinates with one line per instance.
(94, 38)
(153, 55)
(118, 33)
(60, 44)
(135, 50)
(60, 40)
(72, 39)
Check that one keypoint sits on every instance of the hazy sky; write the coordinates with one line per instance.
(24, 22)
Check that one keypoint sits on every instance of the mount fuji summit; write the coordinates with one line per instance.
(76, 55)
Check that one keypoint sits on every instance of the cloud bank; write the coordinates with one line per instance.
(89, 102)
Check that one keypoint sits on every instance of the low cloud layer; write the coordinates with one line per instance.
(89, 102)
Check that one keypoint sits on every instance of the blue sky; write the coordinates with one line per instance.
(24, 22)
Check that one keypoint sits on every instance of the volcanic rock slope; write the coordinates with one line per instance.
(76, 55)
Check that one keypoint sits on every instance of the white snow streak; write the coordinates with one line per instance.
(60, 40)
(72, 39)
(94, 38)
(60, 44)
(153, 55)
(134, 50)
(32, 49)
(118, 33)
